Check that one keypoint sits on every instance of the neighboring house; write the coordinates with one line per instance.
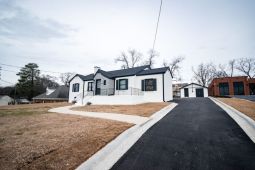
(5, 100)
(177, 89)
(51, 95)
(239, 85)
(125, 86)
(194, 90)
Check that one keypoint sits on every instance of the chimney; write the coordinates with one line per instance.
(96, 68)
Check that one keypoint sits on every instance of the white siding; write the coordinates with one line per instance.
(131, 84)
(72, 95)
(151, 96)
(168, 86)
(192, 90)
(109, 82)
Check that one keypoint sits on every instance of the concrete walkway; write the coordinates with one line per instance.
(112, 116)
(196, 135)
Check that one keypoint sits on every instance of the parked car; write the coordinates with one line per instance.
(22, 101)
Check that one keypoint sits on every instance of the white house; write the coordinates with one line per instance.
(5, 100)
(126, 86)
(194, 90)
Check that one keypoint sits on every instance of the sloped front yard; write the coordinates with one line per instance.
(32, 138)
(244, 106)
(145, 110)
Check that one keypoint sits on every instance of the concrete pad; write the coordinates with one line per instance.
(111, 116)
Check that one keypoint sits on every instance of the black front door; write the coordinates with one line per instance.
(199, 92)
(186, 92)
(98, 86)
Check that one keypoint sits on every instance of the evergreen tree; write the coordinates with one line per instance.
(29, 76)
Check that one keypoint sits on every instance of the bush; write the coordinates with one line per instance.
(88, 103)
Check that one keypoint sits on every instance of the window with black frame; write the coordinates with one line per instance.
(90, 86)
(149, 85)
(76, 87)
(122, 84)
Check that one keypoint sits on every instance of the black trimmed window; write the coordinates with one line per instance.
(90, 86)
(104, 82)
(76, 87)
(149, 85)
(122, 84)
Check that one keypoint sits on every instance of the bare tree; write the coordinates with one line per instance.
(246, 66)
(129, 60)
(204, 73)
(65, 77)
(219, 71)
(151, 58)
(174, 65)
(231, 65)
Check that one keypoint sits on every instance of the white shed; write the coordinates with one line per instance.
(194, 90)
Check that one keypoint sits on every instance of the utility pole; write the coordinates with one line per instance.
(32, 83)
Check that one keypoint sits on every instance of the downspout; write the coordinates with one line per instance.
(83, 93)
(163, 80)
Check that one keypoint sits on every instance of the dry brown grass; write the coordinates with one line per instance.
(41, 140)
(145, 110)
(244, 106)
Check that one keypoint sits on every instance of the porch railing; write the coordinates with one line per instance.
(130, 91)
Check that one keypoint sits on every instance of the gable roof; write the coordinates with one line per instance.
(139, 71)
(128, 72)
(194, 84)
(153, 71)
(84, 78)
(60, 93)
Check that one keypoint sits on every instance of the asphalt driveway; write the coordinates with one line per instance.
(197, 134)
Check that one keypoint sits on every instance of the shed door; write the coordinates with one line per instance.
(186, 92)
(199, 92)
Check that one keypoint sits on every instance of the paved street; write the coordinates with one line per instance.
(197, 134)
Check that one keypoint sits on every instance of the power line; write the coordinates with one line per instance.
(9, 71)
(7, 82)
(9, 65)
(155, 37)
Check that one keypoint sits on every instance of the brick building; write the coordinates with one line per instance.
(240, 85)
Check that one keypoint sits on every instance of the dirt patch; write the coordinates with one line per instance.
(44, 140)
(244, 106)
(146, 109)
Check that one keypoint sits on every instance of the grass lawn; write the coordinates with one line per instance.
(32, 138)
(146, 109)
(244, 106)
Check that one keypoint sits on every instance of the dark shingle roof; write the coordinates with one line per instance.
(153, 71)
(85, 78)
(128, 72)
(141, 70)
(61, 92)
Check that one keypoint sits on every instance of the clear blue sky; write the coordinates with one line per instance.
(74, 36)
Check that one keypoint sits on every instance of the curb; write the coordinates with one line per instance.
(245, 122)
(105, 158)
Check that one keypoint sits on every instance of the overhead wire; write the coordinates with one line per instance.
(156, 32)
